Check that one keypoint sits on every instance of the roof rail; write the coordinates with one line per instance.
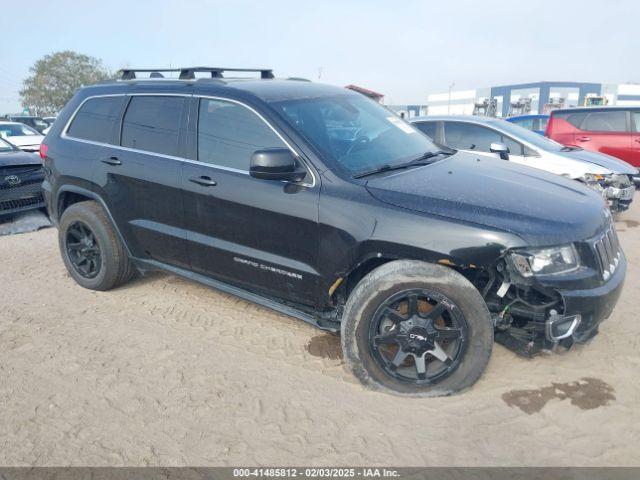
(130, 73)
(188, 73)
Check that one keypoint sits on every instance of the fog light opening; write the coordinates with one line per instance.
(559, 327)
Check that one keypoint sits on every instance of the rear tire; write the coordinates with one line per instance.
(90, 248)
(390, 348)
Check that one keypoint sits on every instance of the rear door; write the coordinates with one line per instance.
(140, 179)
(606, 131)
(257, 234)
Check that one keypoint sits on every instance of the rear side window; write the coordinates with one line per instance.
(611, 121)
(229, 133)
(464, 136)
(427, 127)
(97, 118)
(152, 124)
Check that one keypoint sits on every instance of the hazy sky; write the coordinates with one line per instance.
(404, 49)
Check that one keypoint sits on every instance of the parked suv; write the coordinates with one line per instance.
(611, 130)
(253, 187)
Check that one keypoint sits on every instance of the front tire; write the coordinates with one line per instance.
(418, 329)
(91, 249)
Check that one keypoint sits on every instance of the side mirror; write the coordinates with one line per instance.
(501, 149)
(275, 164)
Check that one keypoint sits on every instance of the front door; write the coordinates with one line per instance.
(606, 131)
(261, 235)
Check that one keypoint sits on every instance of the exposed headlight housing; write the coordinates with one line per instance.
(545, 261)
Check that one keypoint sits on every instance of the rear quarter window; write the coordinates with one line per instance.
(97, 119)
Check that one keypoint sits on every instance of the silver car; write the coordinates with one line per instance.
(494, 137)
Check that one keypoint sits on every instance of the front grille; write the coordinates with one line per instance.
(29, 188)
(25, 187)
(608, 252)
(22, 203)
(18, 170)
(20, 187)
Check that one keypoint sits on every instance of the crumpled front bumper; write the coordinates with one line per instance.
(594, 304)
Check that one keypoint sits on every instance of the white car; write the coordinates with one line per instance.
(493, 137)
(21, 135)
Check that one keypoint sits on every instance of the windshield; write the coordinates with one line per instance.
(5, 146)
(535, 139)
(355, 133)
(16, 130)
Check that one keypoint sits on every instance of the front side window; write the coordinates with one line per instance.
(465, 136)
(353, 133)
(612, 121)
(515, 148)
(524, 135)
(152, 124)
(428, 128)
(97, 119)
(229, 133)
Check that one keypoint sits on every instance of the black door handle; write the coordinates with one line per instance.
(206, 181)
(112, 161)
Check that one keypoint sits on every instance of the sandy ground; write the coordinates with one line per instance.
(167, 372)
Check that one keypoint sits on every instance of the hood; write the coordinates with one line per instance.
(22, 140)
(613, 164)
(15, 158)
(540, 207)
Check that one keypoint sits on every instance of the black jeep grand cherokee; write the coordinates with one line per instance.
(321, 204)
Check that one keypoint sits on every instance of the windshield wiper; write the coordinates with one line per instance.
(416, 162)
(428, 155)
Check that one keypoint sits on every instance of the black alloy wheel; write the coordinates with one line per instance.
(418, 336)
(83, 249)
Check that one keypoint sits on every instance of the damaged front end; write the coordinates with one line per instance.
(542, 298)
(617, 189)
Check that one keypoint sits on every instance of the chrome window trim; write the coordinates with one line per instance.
(66, 136)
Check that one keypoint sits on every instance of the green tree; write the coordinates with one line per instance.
(54, 79)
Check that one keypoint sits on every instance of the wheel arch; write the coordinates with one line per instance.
(344, 284)
(70, 194)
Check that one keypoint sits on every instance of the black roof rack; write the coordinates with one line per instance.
(188, 73)
(130, 73)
